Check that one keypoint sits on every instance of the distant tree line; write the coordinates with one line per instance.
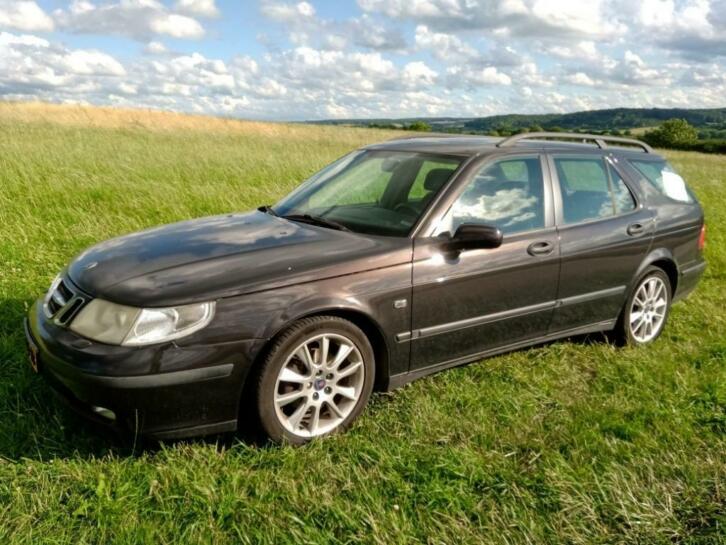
(418, 126)
(673, 133)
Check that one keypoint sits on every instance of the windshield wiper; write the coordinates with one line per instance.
(316, 220)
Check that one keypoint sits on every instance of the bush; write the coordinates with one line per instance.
(674, 133)
(419, 126)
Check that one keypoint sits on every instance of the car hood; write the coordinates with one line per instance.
(227, 255)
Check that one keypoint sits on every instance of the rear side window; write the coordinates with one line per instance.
(661, 175)
(591, 189)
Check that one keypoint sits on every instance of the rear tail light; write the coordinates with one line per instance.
(702, 238)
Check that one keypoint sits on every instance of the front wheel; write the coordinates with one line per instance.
(646, 310)
(316, 379)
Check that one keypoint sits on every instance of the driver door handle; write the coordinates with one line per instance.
(540, 248)
(635, 229)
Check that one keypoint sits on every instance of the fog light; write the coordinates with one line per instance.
(104, 412)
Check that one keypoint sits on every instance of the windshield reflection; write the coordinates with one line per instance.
(370, 191)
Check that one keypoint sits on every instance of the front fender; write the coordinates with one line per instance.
(377, 300)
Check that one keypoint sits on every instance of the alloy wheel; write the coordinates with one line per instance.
(648, 309)
(319, 385)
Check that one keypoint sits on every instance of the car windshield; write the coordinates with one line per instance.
(370, 191)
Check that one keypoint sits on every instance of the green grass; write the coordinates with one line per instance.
(573, 442)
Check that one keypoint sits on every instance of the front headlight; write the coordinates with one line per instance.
(110, 323)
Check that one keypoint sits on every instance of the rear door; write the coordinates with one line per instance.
(479, 300)
(605, 233)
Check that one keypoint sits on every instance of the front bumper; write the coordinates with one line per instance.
(162, 391)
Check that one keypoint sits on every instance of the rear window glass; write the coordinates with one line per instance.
(666, 180)
(591, 189)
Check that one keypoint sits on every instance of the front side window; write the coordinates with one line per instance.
(370, 191)
(508, 194)
(664, 178)
(591, 189)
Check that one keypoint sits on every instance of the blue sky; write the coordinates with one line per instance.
(277, 59)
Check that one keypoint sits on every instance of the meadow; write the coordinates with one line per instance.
(573, 442)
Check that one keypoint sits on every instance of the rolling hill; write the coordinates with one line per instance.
(593, 120)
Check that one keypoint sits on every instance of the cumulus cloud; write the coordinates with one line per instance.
(696, 28)
(155, 48)
(29, 63)
(392, 58)
(200, 8)
(306, 28)
(286, 12)
(583, 50)
(137, 19)
(485, 76)
(442, 45)
(515, 17)
(417, 75)
(24, 15)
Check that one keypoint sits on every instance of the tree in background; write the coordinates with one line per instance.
(674, 133)
(419, 126)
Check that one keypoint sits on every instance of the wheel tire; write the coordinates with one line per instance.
(627, 334)
(283, 354)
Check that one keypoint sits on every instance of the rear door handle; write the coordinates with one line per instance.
(540, 248)
(635, 229)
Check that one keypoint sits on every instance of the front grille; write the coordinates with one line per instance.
(63, 301)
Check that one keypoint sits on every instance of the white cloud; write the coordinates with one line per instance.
(580, 78)
(155, 48)
(305, 28)
(442, 45)
(137, 19)
(31, 64)
(694, 29)
(24, 15)
(176, 26)
(583, 50)
(417, 74)
(92, 63)
(513, 17)
(397, 58)
(200, 8)
(8, 39)
(370, 33)
(485, 76)
(287, 12)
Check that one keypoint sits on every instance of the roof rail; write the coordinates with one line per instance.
(430, 134)
(601, 141)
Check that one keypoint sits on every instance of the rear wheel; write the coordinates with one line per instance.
(316, 379)
(646, 311)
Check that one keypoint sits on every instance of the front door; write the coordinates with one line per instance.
(478, 300)
(604, 235)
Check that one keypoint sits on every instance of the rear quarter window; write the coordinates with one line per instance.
(662, 176)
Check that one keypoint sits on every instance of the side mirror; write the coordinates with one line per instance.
(471, 236)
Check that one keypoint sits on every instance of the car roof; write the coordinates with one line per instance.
(470, 145)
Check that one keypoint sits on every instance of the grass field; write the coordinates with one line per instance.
(574, 442)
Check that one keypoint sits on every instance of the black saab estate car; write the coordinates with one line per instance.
(396, 261)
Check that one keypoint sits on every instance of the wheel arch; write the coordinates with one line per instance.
(663, 259)
(361, 319)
